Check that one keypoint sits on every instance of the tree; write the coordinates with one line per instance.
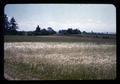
(13, 26)
(76, 31)
(51, 31)
(7, 24)
(63, 32)
(10, 27)
(44, 32)
(70, 31)
(37, 29)
(84, 32)
(92, 32)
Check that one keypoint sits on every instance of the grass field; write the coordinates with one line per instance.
(58, 58)
(58, 39)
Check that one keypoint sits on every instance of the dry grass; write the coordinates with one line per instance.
(60, 60)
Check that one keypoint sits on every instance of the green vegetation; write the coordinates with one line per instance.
(24, 71)
(70, 38)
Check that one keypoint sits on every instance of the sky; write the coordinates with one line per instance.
(85, 17)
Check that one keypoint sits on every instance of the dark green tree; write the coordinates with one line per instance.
(84, 32)
(37, 30)
(51, 31)
(76, 31)
(13, 26)
(63, 32)
(7, 24)
(70, 31)
(44, 32)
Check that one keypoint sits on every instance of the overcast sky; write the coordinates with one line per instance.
(85, 17)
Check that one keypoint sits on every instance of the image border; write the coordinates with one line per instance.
(116, 3)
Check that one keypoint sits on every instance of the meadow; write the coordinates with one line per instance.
(59, 58)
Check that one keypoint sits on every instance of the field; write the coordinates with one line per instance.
(59, 58)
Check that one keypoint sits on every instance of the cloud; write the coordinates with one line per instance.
(87, 25)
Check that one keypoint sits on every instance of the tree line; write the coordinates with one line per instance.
(11, 28)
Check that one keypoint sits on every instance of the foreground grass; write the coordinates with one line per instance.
(22, 71)
(60, 60)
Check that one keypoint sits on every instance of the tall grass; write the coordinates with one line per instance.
(60, 60)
